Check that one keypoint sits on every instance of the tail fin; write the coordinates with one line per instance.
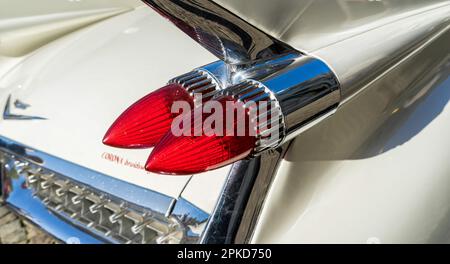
(221, 32)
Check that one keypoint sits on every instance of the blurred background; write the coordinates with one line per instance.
(17, 231)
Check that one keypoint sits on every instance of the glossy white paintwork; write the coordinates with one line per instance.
(25, 25)
(83, 81)
(22, 37)
(382, 46)
(204, 189)
(377, 171)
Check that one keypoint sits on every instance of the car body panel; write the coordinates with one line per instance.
(309, 25)
(23, 30)
(377, 171)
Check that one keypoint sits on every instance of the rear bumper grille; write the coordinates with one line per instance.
(74, 210)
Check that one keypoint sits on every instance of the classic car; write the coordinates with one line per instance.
(352, 146)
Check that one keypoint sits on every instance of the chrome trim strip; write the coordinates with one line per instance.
(224, 34)
(268, 166)
(111, 219)
(17, 159)
(21, 201)
(241, 199)
(7, 115)
(126, 191)
(193, 218)
(255, 92)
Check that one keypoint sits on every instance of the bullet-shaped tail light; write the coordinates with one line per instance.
(204, 150)
(144, 123)
(277, 108)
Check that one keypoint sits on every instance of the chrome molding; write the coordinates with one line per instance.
(69, 201)
(305, 90)
(7, 115)
(224, 34)
(300, 92)
(241, 199)
(269, 120)
(198, 82)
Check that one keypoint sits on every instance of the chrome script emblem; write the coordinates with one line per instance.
(7, 115)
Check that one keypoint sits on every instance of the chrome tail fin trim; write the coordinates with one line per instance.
(221, 32)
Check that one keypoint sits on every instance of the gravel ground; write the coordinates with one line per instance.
(17, 231)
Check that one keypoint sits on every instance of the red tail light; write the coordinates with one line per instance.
(145, 122)
(183, 155)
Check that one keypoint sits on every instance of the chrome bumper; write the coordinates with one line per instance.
(75, 204)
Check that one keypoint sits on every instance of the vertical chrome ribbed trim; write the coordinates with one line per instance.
(198, 81)
(268, 120)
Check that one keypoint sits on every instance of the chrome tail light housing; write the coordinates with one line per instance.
(279, 100)
(301, 94)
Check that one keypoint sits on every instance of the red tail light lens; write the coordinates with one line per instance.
(183, 155)
(145, 122)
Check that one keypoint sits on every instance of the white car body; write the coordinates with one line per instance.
(376, 171)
